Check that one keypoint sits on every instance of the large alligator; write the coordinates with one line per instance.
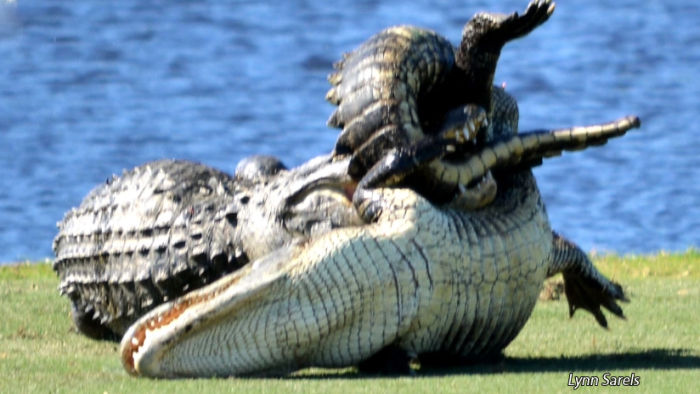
(191, 224)
(167, 227)
(419, 281)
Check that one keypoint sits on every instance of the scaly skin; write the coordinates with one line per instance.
(524, 148)
(139, 239)
(398, 86)
(349, 293)
(342, 298)
(168, 227)
(377, 88)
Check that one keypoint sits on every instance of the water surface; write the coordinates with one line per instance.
(90, 88)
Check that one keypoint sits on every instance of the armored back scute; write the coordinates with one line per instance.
(168, 227)
(152, 234)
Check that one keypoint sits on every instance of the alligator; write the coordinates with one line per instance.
(418, 281)
(390, 289)
(196, 216)
(167, 227)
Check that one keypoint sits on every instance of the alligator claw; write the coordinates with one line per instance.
(590, 296)
(585, 287)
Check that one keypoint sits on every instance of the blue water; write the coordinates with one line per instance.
(89, 88)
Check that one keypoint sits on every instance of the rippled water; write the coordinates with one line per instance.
(89, 88)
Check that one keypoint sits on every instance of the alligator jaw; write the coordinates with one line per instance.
(476, 196)
(148, 341)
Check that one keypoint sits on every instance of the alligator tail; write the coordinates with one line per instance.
(530, 148)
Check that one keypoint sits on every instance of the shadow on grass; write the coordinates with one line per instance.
(644, 359)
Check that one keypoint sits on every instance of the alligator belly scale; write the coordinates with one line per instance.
(346, 295)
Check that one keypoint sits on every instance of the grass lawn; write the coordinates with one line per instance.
(659, 342)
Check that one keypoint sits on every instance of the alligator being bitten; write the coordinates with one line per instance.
(314, 294)
(419, 281)
(169, 227)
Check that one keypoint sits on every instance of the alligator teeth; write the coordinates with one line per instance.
(471, 127)
(335, 78)
(332, 96)
(461, 135)
(485, 180)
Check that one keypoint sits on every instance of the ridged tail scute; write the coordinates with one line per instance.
(378, 87)
(396, 87)
(585, 287)
(147, 236)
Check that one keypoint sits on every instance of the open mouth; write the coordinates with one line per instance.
(464, 132)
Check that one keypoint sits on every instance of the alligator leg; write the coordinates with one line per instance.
(89, 326)
(483, 38)
(585, 287)
(392, 360)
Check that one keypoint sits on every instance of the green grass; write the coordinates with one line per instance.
(659, 342)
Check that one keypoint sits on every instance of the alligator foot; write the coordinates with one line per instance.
(515, 26)
(392, 360)
(585, 287)
(90, 327)
(488, 32)
(442, 360)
